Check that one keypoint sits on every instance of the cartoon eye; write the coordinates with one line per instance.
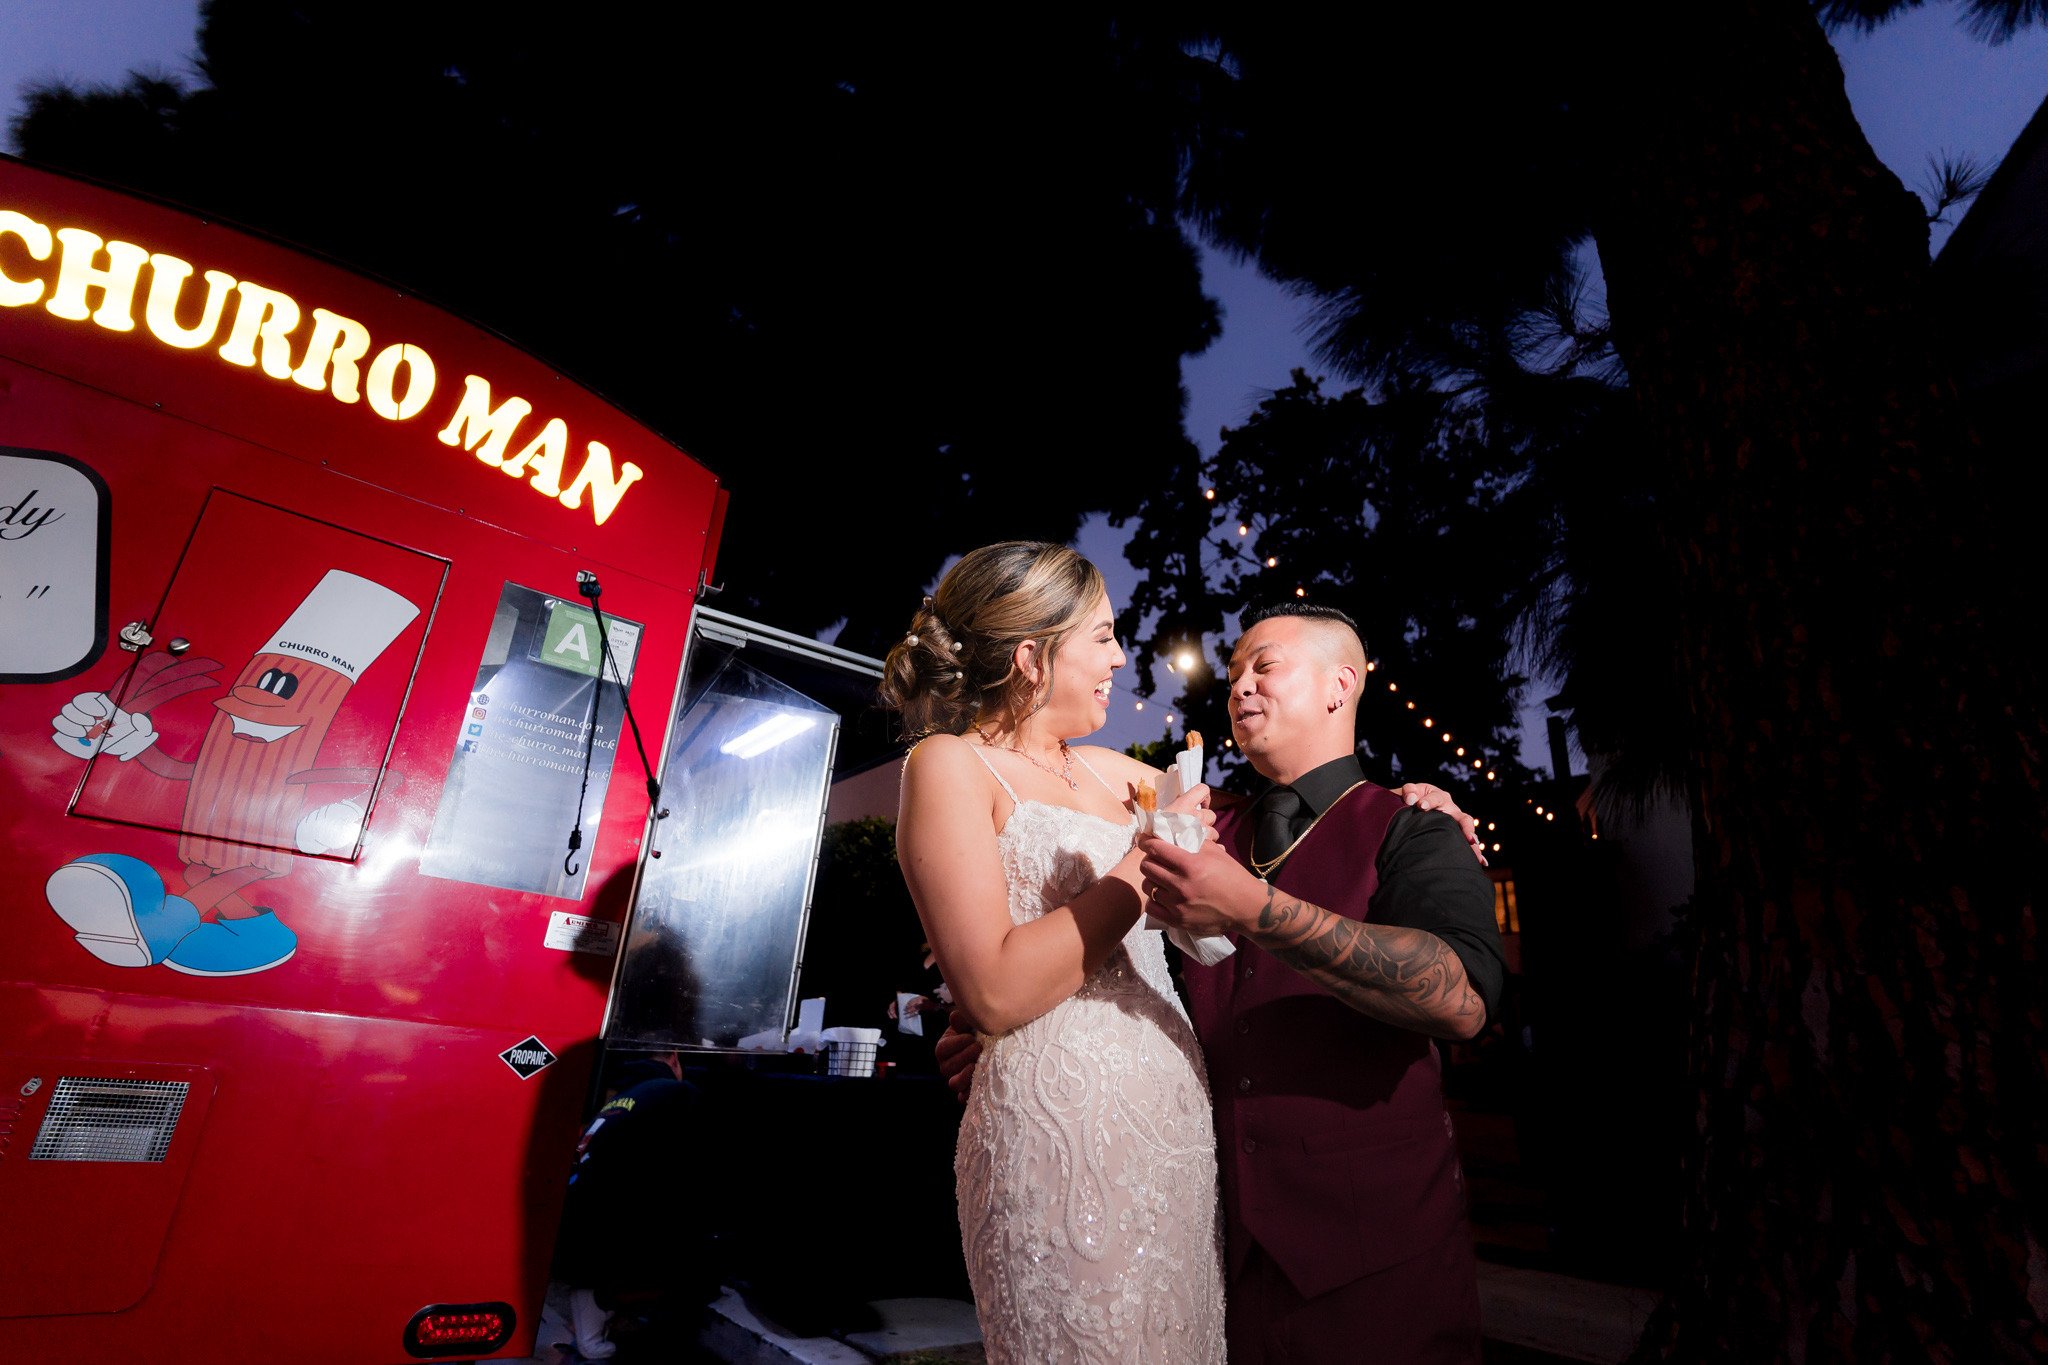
(278, 683)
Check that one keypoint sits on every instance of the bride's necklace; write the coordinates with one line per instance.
(1065, 772)
(1263, 869)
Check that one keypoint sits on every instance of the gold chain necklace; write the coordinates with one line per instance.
(1065, 772)
(1264, 869)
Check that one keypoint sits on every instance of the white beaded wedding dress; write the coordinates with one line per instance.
(1086, 1164)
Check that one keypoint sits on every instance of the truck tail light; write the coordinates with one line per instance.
(459, 1329)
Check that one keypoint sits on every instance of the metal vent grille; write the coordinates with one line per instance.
(93, 1118)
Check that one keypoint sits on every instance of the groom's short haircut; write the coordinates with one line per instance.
(1346, 641)
(1315, 611)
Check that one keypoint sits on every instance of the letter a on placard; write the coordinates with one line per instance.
(573, 640)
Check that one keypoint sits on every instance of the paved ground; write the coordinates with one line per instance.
(1546, 1300)
(1532, 1317)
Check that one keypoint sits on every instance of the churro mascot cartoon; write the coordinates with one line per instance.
(245, 807)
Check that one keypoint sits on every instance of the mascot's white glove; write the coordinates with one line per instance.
(91, 724)
(330, 829)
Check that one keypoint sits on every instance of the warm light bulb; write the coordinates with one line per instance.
(1243, 529)
(1496, 848)
(1272, 562)
(1209, 493)
(1301, 592)
(1141, 706)
(1370, 665)
(1184, 659)
(1551, 816)
(1411, 706)
(1396, 687)
(1428, 723)
(1447, 738)
(1489, 777)
(1491, 825)
(1539, 810)
(1461, 748)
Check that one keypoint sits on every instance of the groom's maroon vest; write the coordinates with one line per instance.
(1332, 1138)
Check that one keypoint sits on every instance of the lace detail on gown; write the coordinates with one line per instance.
(1086, 1165)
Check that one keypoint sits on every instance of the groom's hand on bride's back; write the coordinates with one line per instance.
(956, 1052)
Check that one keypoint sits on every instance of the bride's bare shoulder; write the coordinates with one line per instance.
(939, 755)
(1115, 764)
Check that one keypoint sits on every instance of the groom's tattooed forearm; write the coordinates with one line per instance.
(1408, 977)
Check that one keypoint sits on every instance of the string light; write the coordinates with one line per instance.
(1272, 562)
(1301, 592)
(1243, 529)
(1209, 493)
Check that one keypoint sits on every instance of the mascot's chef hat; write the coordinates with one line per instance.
(344, 624)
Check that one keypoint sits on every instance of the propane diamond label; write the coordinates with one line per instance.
(529, 1058)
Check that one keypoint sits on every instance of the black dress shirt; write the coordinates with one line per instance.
(1429, 877)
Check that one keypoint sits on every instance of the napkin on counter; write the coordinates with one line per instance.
(809, 1033)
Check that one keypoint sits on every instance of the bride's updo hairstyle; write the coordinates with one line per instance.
(957, 662)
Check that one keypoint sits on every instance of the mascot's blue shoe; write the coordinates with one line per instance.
(234, 947)
(117, 908)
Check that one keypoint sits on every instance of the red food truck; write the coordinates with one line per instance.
(334, 634)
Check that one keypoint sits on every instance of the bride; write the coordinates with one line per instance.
(1086, 1162)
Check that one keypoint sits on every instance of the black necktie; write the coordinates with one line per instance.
(1280, 810)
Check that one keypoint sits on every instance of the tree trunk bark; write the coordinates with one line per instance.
(1866, 1180)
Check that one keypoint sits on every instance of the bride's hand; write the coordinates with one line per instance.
(1196, 799)
(1436, 798)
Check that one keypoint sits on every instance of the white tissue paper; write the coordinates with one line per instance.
(1184, 828)
(906, 1021)
(809, 1033)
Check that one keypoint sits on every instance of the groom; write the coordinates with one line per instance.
(1365, 929)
